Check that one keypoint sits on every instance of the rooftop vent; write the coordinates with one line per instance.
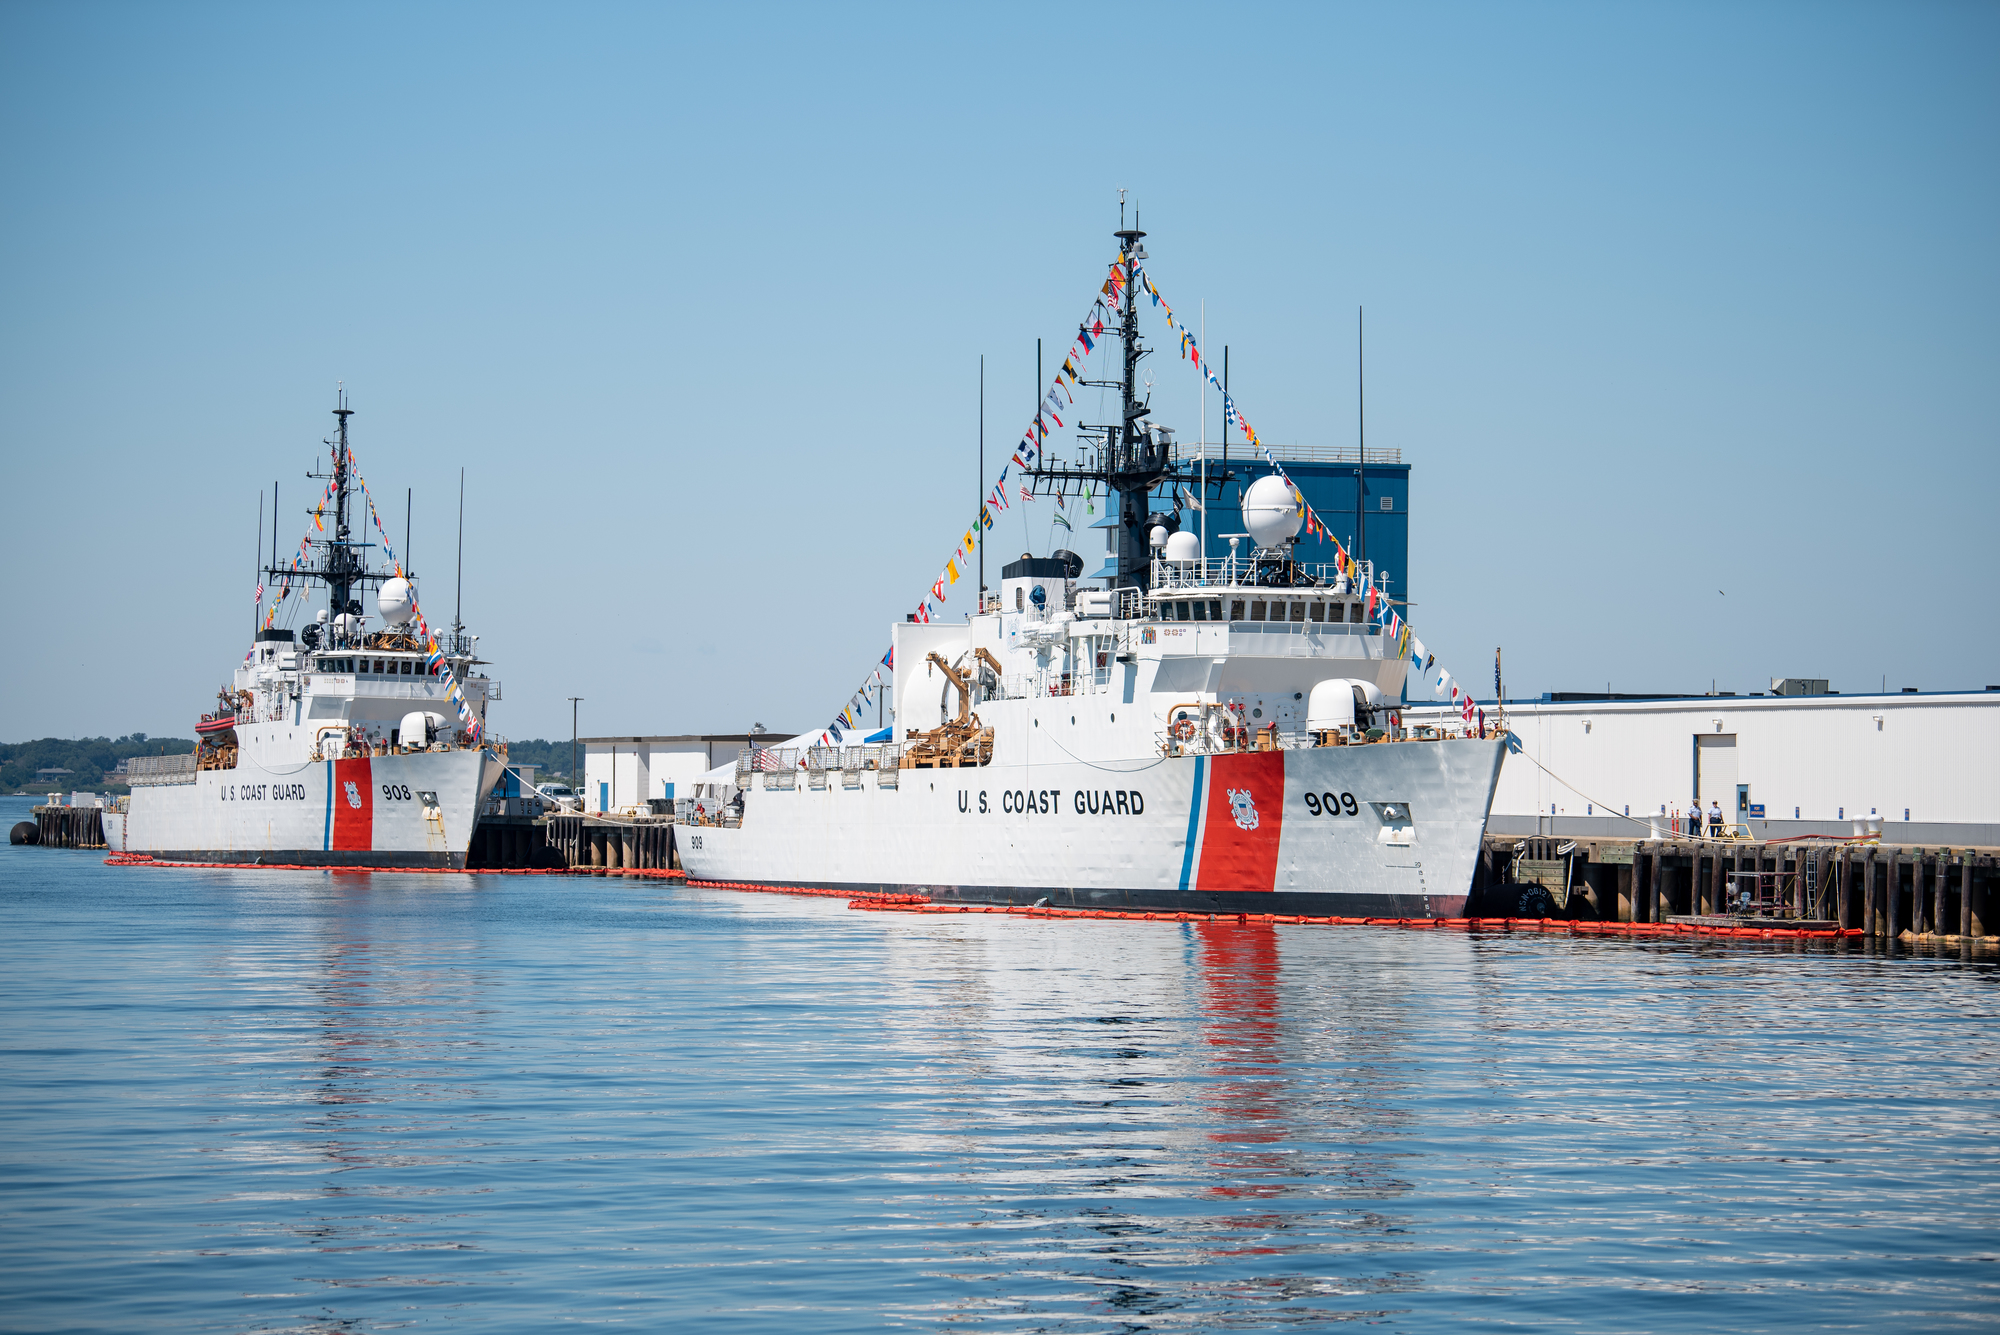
(1799, 686)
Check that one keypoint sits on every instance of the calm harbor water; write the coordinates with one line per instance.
(278, 1101)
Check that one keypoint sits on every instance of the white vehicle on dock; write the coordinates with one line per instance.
(1204, 734)
(340, 746)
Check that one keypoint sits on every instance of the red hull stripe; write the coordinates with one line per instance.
(1246, 811)
(353, 804)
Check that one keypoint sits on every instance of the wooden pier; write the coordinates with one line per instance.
(69, 827)
(604, 847)
(1887, 891)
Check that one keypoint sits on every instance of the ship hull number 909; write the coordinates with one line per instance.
(1331, 804)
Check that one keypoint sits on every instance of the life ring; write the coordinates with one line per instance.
(1183, 729)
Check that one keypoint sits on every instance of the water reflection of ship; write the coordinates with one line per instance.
(1281, 1135)
(366, 1057)
(1239, 969)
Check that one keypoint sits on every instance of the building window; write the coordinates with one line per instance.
(1257, 610)
(1235, 609)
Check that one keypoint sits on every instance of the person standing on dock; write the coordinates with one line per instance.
(1714, 818)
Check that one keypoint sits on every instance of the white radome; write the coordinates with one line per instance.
(396, 602)
(1271, 511)
(1183, 546)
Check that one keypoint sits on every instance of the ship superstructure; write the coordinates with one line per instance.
(337, 744)
(1198, 734)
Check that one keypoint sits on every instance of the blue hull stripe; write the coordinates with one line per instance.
(1194, 821)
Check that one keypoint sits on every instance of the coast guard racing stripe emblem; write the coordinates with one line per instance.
(353, 805)
(1246, 808)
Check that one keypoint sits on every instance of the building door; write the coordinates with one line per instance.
(1715, 772)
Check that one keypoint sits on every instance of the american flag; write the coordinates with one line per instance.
(763, 757)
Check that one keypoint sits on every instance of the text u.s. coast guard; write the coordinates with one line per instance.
(1049, 801)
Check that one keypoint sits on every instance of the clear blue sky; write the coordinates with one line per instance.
(1686, 315)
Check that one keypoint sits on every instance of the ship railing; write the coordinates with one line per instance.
(1247, 572)
(1232, 740)
(820, 759)
(1194, 451)
(888, 765)
(1052, 684)
(778, 765)
(148, 771)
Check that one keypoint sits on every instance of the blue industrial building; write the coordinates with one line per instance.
(1378, 502)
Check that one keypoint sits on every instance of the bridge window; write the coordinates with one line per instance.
(1181, 612)
(1298, 611)
(1257, 610)
(1354, 613)
(1201, 611)
(1235, 609)
(1318, 611)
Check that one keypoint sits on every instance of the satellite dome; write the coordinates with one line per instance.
(396, 601)
(1158, 537)
(1183, 546)
(1272, 511)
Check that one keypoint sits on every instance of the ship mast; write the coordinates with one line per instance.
(343, 567)
(341, 563)
(1135, 475)
(1130, 461)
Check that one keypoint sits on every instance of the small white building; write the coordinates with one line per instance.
(623, 772)
(1926, 766)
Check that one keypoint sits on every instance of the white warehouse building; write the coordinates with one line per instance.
(1925, 766)
(621, 773)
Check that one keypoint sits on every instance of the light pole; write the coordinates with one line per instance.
(574, 781)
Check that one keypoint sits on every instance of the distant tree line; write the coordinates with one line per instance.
(550, 759)
(88, 759)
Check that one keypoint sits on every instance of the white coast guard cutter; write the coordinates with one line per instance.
(1201, 735)
(342, 747)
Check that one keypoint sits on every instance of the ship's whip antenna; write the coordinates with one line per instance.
(979, 529)
(458, 605)
(1360, 445)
